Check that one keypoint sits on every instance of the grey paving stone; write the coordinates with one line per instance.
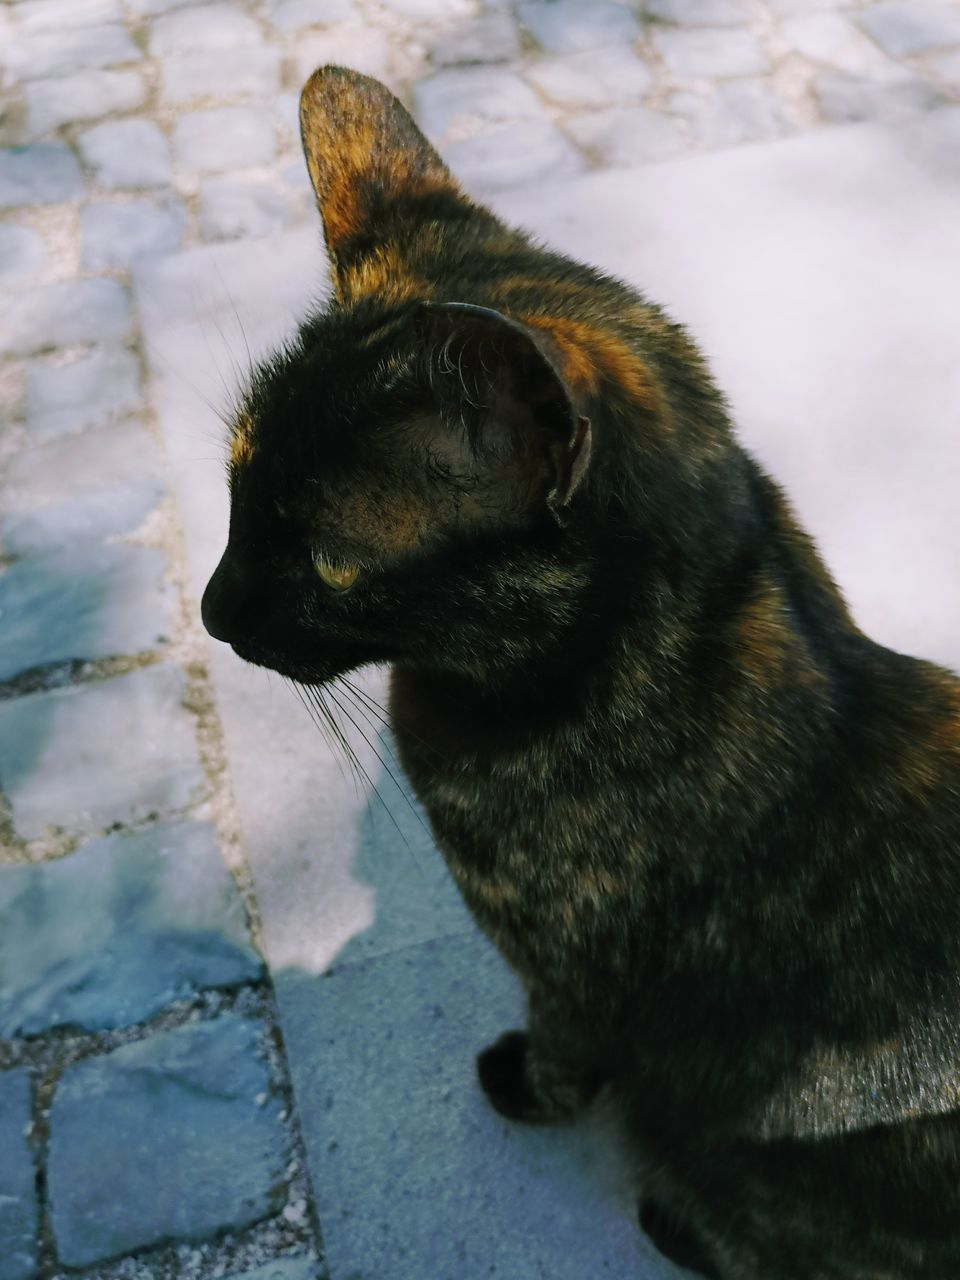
(89, 517)
(471, 99)
(91, 392)
(913, 27)
(529, 152)
(569, 26)
(833, 39)
(493, 37)
(91, 601)
(139, 753)
(22, 253)
(847, 99)
(86, 96)
(596, 78)
(42, 174)
(252, 70)
(739, 111)
(400, 1140)
(62, 315)
(34, 16)
(209, 26)
(709, 53)
(294, 15)
(231, 208)
(126, 153)
(109, 935)
(699, 13)
(156, 6)
(164, 1139)
(432, 10)
(282, 1269)
(70, 49)
(121, 456)
(114, 235)
(622, 138)
(225, 138)
(18, 1191)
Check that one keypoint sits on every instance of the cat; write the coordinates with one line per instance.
(712, 826)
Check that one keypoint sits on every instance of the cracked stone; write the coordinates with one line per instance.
(22, 253)
(230, 209)
(45, 173)
(906, 29)
(597, 78)
(227, 138)
(524, 153)
(90, 517)
(122, 456)
(622, 138)
(139, 753)
(253, 70)
(847, 99)
(294, 15)
(491, 38)
(85, 602)
(87, 96)
(211, 26)
(163, 1139)
(569, 26)
(459, 102)
(88, 393)
(73, 313)
(110, 934)
(18, 1190)
(115, 235)
(51, 53)
(710, 53)
(126, 153)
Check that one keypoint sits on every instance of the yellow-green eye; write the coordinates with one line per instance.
(338, 577)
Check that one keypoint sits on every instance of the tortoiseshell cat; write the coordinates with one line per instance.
(712, 826)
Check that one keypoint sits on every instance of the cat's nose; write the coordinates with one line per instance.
(223, 601)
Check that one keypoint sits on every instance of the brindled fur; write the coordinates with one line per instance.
(713, 827)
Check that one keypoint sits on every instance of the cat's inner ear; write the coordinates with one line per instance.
(365, 157)
(502, 381)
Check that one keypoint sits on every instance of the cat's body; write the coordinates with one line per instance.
(714, 828)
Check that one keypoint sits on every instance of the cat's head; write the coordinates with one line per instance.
(409, 476)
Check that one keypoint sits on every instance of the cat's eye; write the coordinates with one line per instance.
(338, 577)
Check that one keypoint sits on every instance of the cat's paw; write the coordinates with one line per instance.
(502, 1068)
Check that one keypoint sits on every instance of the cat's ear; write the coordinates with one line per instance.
(365, 155)
(506, 379)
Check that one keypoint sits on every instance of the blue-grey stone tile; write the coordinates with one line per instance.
(91, 392)
(18, 1192)
(115, 235)
(61, 315)
(42, 174)
(175, 1137)
(110, 934)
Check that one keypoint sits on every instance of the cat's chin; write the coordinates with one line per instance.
(302, 672)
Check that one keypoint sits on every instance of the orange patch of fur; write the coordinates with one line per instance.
(591, 355)
(241, 444)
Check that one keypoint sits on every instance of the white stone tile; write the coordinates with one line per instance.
(595, 78)
(231, 208)
(126, 153)
(622, 137)
(294, 15)
(912, 26)
(848, 99)
(459, 102)
(86, 96)
(114, 234)
(211, 26)
(569, 26)
(64, 315)
(490, 38)
(35, 16)
(71, 49)
(534, 151)
(245, 71)
(699, 13)
(738, 111)
(710, 54)
(22, 254)
(226, 138)
(360, 46)
(833, 39)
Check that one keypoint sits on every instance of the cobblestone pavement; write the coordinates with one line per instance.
(147, 1123)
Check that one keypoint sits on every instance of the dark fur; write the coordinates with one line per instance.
(712, 826)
